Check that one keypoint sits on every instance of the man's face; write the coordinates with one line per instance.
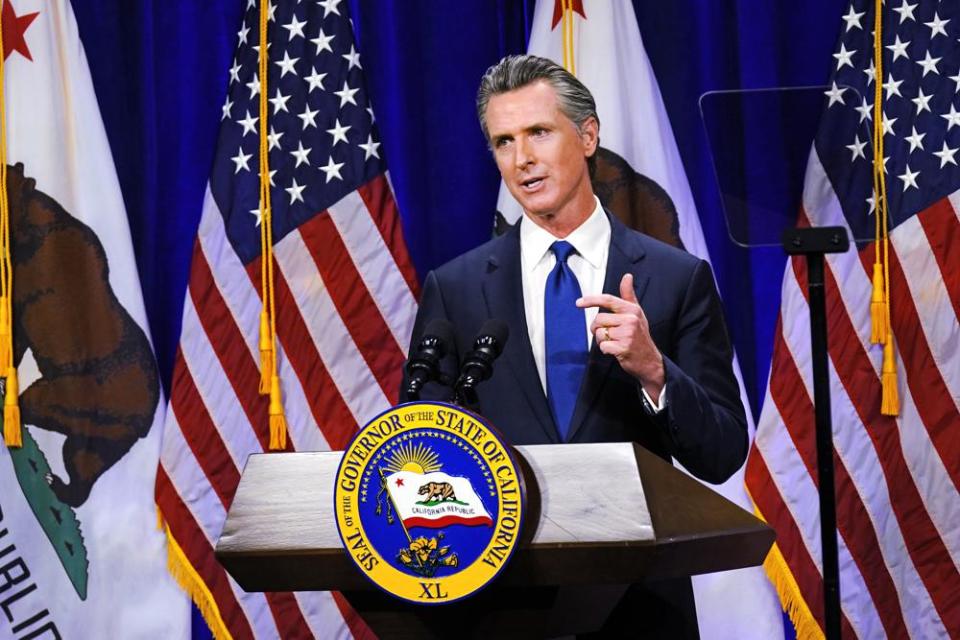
(542, 156)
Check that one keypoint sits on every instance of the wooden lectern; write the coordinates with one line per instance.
(599, 517)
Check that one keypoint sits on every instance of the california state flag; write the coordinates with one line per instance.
(81, 555)
(638, 164)
(436, 500)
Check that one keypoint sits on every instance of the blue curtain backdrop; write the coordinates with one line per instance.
(160, 73)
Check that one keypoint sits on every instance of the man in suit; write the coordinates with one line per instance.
(614, 336)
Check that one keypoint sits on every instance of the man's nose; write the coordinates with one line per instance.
(524, 154)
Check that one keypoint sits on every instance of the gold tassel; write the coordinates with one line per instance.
(12, 436)
(890, 399)
(266, 353)
(878, 307)
(6, 338)
(278, 421)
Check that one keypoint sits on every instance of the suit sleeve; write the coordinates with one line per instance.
(431, 306)
(704, 422)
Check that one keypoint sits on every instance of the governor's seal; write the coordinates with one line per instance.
(429, 502)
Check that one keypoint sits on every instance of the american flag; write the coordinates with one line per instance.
(897, 478)
(345, 299)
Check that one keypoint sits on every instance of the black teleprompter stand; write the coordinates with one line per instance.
(814, 242)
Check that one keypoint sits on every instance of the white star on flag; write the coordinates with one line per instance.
(853, 19)
(844, 57)
(916, 140)
(906, 11)
(946, 155)
(296, 190)
(332, 169)
(352, 58)
(835, 94)
(899, 49)
(241, 161)
(286, 65)
(300, 154)
(909, 178)
(315, 80)
(857, 149)
(249, 124)
(339, 132)
(295, 27)
(279, 102)
(370, 148)
(346, 95)
(322, 42)
(308, 116)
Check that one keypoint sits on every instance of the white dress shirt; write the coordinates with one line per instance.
(591, 240)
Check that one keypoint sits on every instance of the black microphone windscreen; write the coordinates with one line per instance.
(496, 329)
(441, 329)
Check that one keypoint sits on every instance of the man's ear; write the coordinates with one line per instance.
(590, 136)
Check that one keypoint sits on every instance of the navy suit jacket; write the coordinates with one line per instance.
(703, 426)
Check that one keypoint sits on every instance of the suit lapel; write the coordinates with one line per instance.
(503, 293)
(625, 256)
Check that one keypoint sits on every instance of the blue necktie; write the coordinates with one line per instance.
(565, 331)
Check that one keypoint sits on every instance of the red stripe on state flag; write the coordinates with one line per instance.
(328, 407)
(942, 227)
(378, 198)
(859, 378)
(227, 342)
(201, 434)
(796, 409)
(199, 554)
(789, 539)
(354, 303)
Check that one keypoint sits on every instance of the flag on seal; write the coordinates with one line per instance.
(435, 500)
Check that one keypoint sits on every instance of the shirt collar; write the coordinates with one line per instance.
(590, 239)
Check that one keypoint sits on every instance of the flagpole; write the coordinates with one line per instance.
(383, 479)
(813, 243)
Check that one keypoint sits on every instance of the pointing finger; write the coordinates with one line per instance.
(607, 301)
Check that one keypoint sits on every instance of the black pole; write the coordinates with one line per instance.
(814, 243)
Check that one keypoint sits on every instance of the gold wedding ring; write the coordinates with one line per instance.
(606, 334)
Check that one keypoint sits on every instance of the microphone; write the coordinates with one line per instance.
(424, 366)
(478, 365)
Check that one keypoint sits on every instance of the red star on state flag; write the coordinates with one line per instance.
(399, 482)
(14, 27)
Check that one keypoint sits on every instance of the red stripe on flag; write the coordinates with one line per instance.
(860, 380)
(379, 200)
(942, 228)
(193, 542)
(227, 342)
(329, 409)
(937, 410)
(201, 434)
(796, 409)
(789, 540)
(358, 628)
(287, 614)
(354, 302)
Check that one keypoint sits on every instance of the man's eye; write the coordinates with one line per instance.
(539, 132)
(499, 143)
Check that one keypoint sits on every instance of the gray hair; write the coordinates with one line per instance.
(515, 72)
